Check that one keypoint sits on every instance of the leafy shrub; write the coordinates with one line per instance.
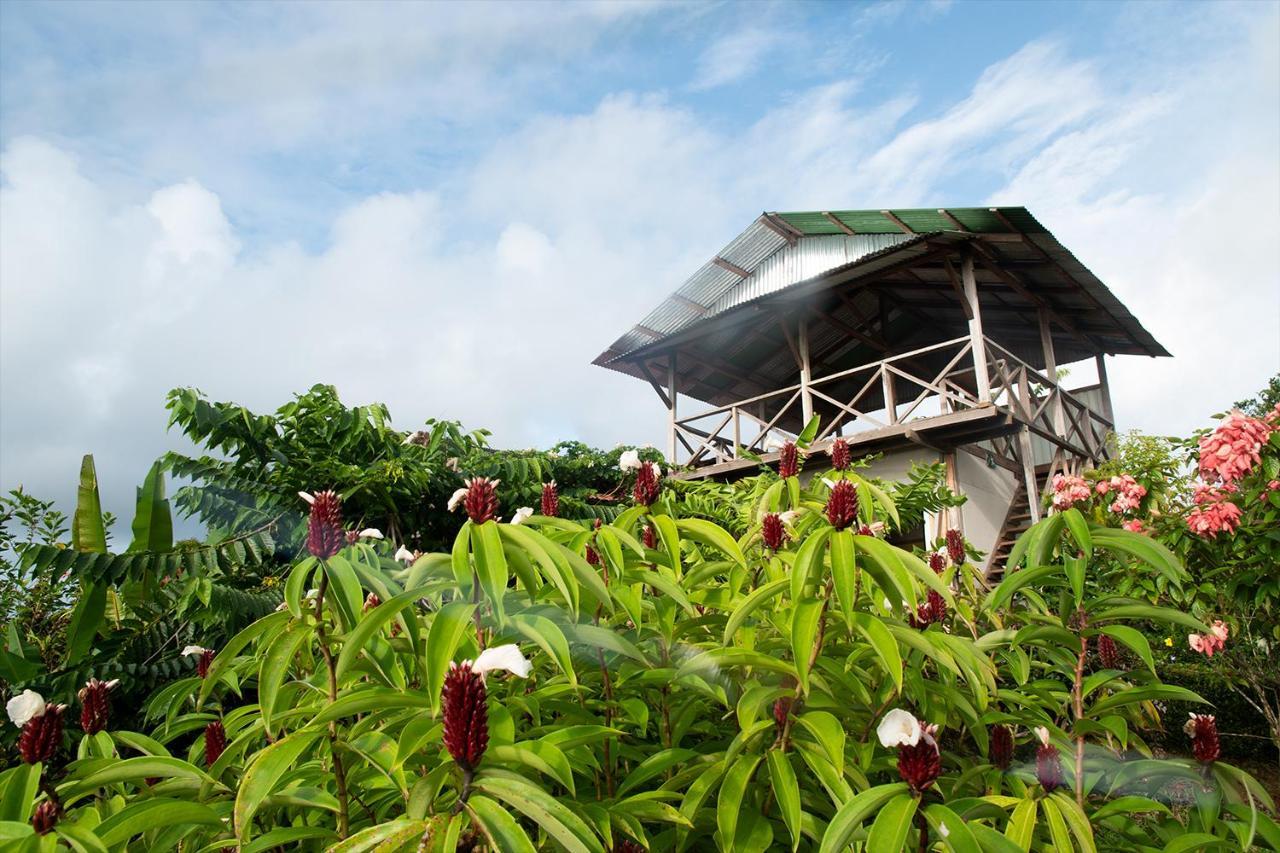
(656, 682)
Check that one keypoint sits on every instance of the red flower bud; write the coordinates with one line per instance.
(324, 526)
(42, 735)
(466, 715)
(932, 609)
(650, 537)
(788, 460)
(215, 741)
(772, 531)
(45, 817)
(204, 662)
(1001, 749)
(955, 547)
(842, 505)
(95, 705)
(920, 765)
(1205, 745)
(647, 485)
(1108, 653)
(840, 454)
(371, 601)
(481, 500)
(1049, 767)
(626, 845)
(782, 710)
(936, 562)
(550, 500)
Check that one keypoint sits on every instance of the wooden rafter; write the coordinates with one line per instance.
(834, 220)
(729, 265)
(889, 215)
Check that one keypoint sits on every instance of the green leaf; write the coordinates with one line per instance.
(447, 629)
(152, 520)
(149, 814)
(809, 433)
(1147, 693)
(1015, 581)
(491, 566)
(275, 666)
(809, 556)
(706, 533)
(388, 836)
(1151, 612)
(86, 618)
(540, 755)
(889, 831)
(18, 789)
(883, 643)
(1022, 824)
(1141, 546)
(1057, 826)
(749, 604)
(263, 773)
(669, 536)
(1079, 530)
(141, 767)
(959, 838)
(828, 732)
(371, 623)
(844, 570)
(1134, 639)
(786, 792)
(87, 530)
(804, 631)
(654, 765)
(568, 830)
(854, 812)
(227, 654)
(550, 639)
(732, 791)
(344, 590)
(498, 826)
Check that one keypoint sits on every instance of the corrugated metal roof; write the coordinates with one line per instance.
(800, 256)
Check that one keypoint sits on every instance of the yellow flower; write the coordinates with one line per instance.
(1168, 641)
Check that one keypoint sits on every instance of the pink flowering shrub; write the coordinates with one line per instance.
(1069, 490)
(1230, 451)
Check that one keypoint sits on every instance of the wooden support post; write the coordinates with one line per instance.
(975, 328)
(890, 400)
(1029, 473)
(953, 515)
(737, 431)
(1104, 388)
(671, 396)
(1051, 373)
(806, 372)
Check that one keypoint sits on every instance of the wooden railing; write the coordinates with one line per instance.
(728, 432)
(1047, 408)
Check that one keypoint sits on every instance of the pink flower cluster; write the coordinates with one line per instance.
(1211, 642)
(1214, 512)
(1069, 490)
(1230, 451)
(1128, 493)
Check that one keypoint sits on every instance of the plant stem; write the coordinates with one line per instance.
(923, 823)
(1077, 697)
(339, 772)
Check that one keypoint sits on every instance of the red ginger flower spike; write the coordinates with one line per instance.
(215, 741)
(788, 460)
(772, 531)
(95, 705)
(842, 505)
(324, 526)
(1203, 731)
(920, 765)
(955, 546)
(1108, 652)
(371, 601)
(937, 562)
(479, 499)
(466, 715)
(1048, 763)
(626, 845)
(1001, 749)
(650, 537)
(647, 486)
(550, 500)
(45, 817)
(41, 735)
(782, 710)
(840, 454)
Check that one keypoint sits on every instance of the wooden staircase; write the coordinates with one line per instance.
(1015, 524)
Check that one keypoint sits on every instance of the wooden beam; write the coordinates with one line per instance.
(730, 266)
(689, 303)
(1029, 474)
(673, 393)
(953, 220)
(1105, 388)
(978, 342)
(806, 373)
(992, 262)
(645, 330)
(781, 227)
(889, 215)
(644, 368)
(831, 217)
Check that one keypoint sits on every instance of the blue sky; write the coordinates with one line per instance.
(453, 208)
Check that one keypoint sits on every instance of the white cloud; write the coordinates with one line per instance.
(735, 56)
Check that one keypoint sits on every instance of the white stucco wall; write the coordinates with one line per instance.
(989, 491)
